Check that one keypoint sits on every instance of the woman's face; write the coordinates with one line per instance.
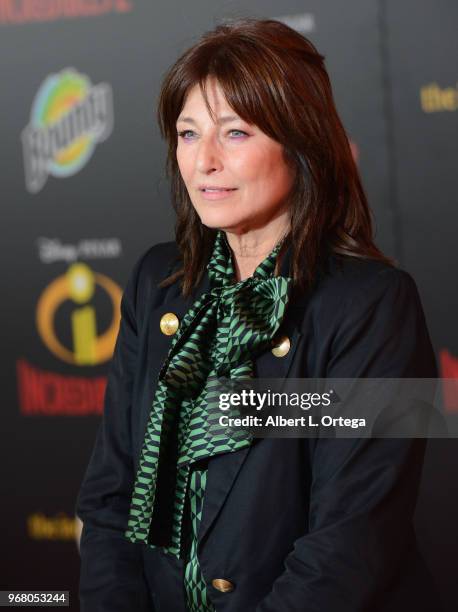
(244, 165)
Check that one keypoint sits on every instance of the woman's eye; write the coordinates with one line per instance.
(182, 134)
(239, 131)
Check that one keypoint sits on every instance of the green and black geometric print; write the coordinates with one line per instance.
(217, 337)
(196, 590)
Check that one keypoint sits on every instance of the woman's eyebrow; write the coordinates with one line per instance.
(220, 120)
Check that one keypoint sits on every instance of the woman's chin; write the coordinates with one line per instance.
(221, 221)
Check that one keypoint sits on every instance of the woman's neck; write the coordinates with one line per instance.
(251, 248)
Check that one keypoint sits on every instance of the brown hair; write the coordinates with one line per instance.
(273, 77)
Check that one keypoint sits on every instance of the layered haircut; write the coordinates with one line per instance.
(273, 77)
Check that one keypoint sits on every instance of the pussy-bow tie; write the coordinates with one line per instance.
(218, 337)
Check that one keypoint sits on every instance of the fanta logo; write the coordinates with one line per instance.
(78, 285)
(69, 117)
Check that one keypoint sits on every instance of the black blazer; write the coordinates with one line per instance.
(297, 525)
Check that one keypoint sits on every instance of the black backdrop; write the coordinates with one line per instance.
(84, 195)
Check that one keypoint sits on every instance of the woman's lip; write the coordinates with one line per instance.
(217, 195)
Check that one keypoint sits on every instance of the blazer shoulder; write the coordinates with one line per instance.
(362, 284)
(154, 265)
(374, 318)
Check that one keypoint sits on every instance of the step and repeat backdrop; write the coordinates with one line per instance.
(84, 194)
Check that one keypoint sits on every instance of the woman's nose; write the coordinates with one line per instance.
(208, 157)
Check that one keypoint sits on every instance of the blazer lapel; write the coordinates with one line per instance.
(158, 344)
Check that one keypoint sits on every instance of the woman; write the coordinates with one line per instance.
(273, 274)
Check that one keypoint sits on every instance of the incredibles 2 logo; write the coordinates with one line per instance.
(73, 339)
(69, 117)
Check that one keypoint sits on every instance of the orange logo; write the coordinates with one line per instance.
(78, 284)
